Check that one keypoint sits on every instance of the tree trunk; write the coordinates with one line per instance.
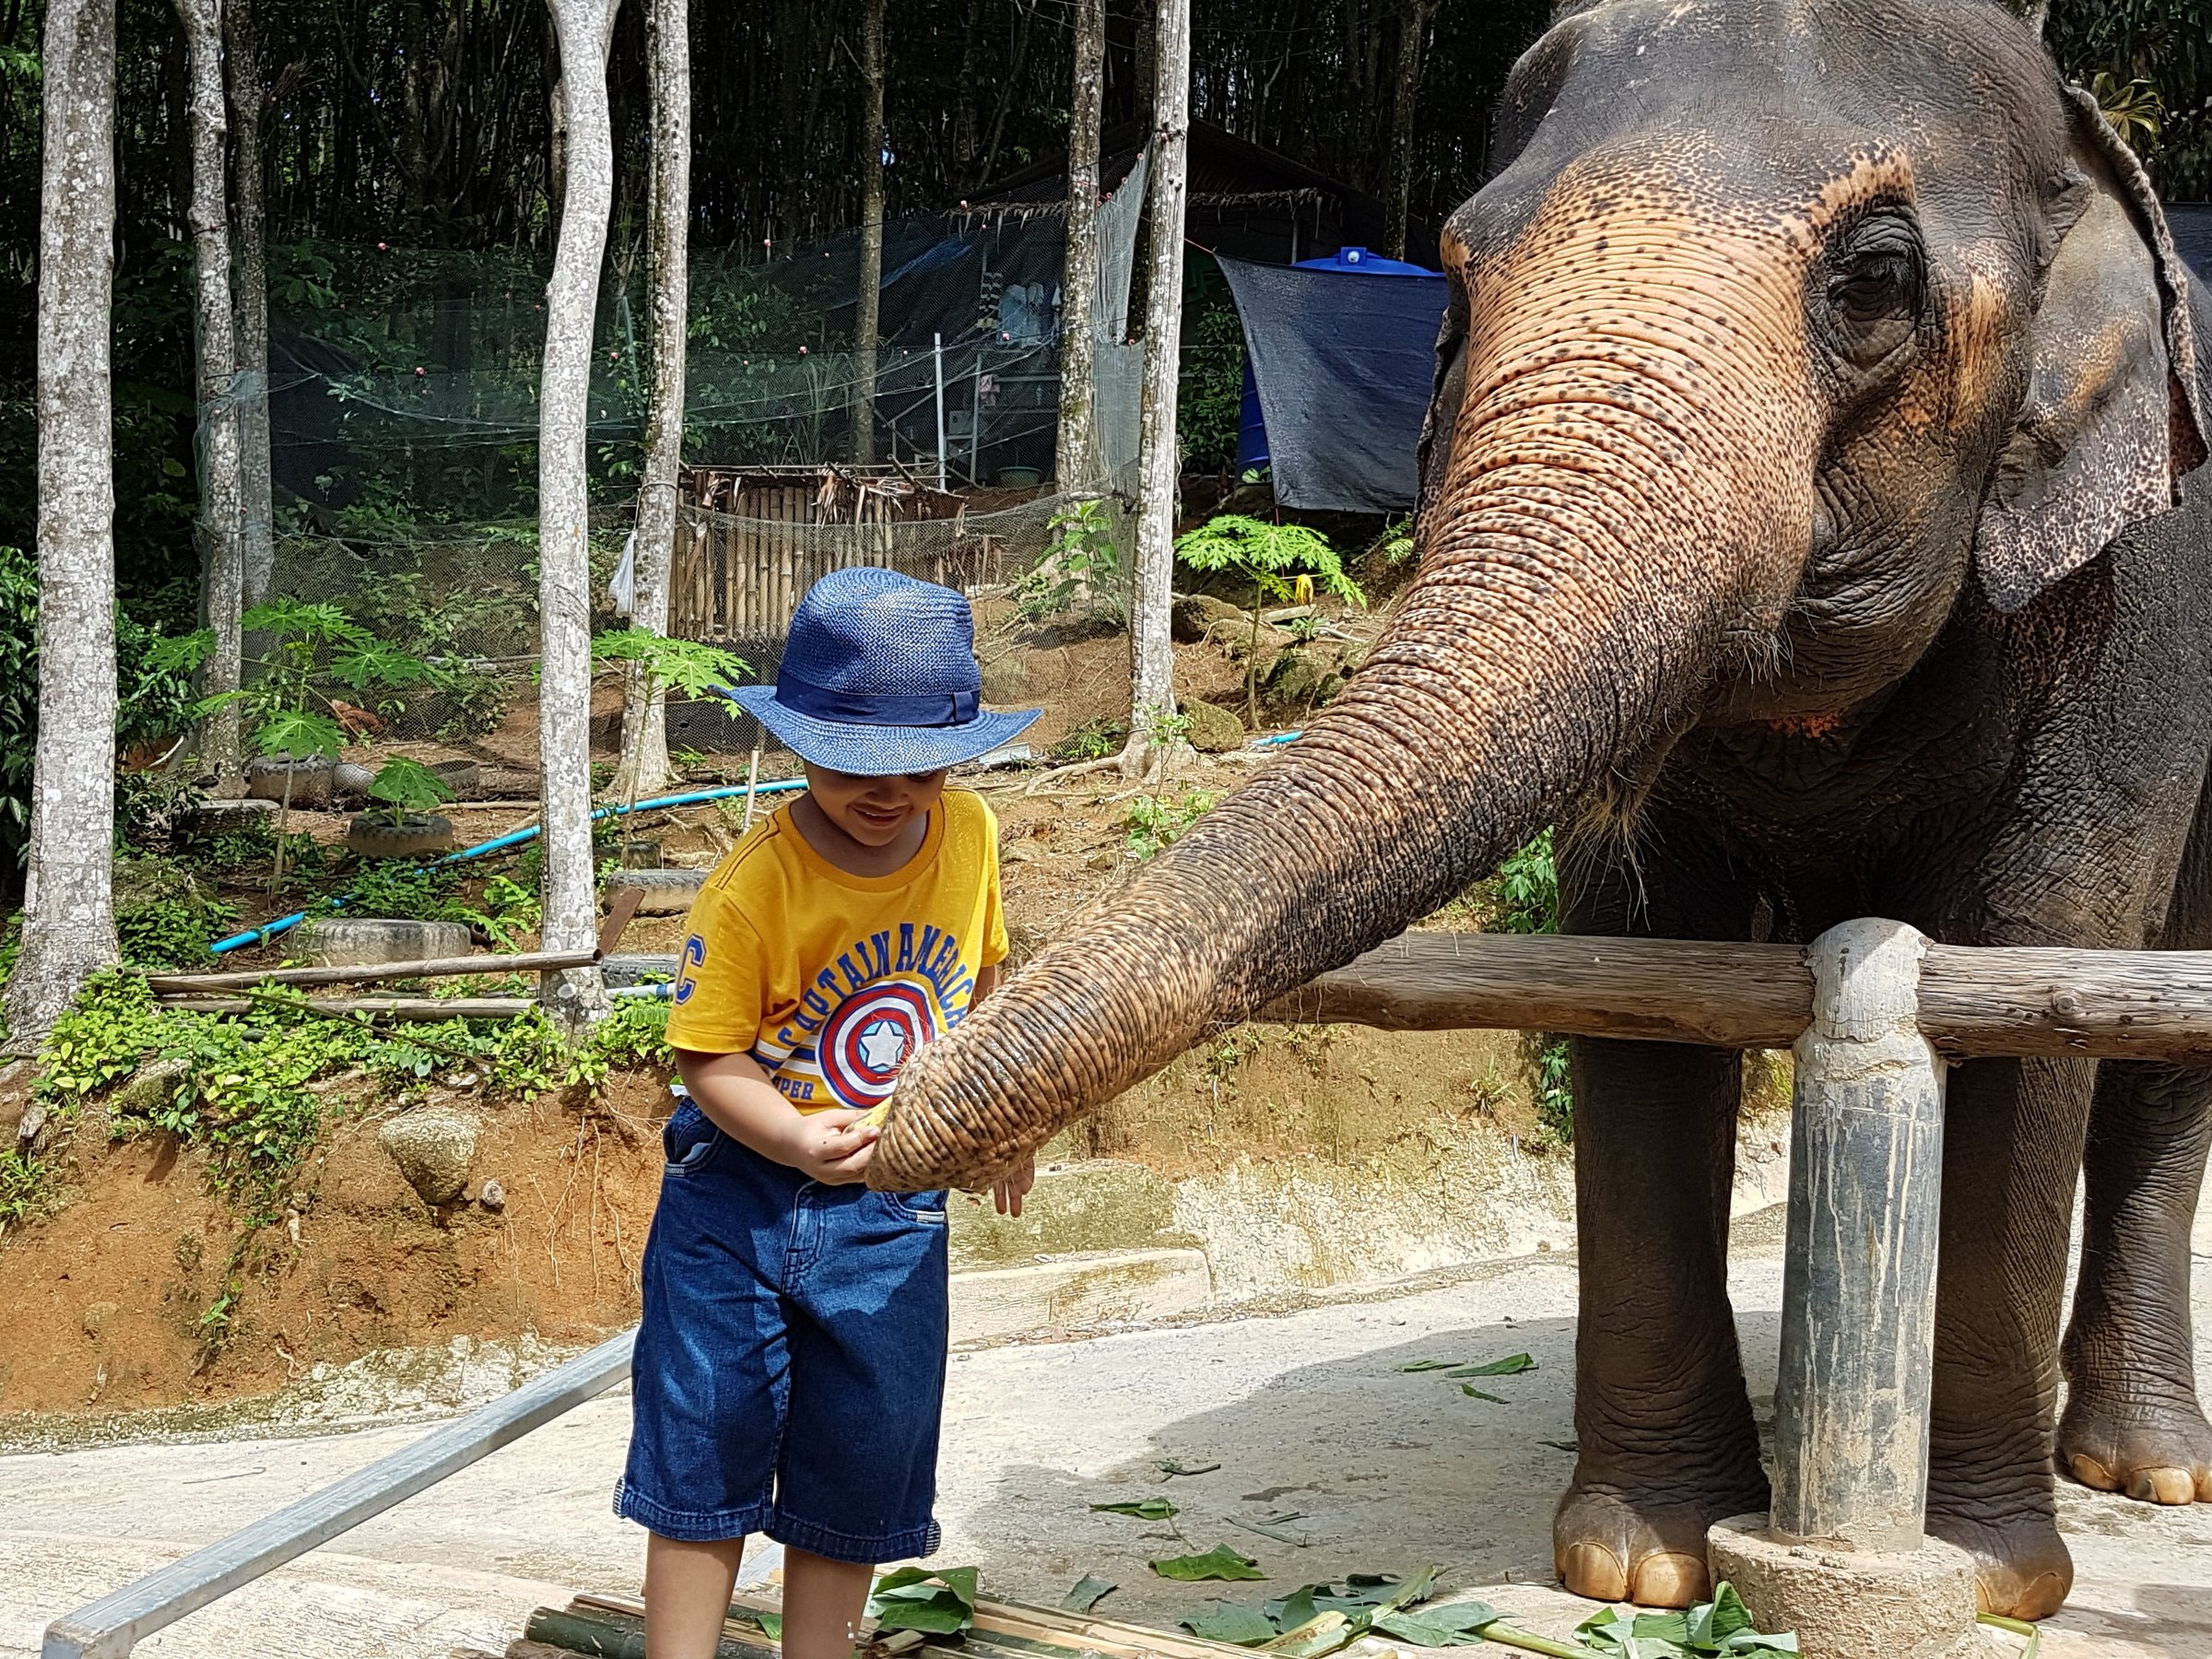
(248, 96)
(1412, 28)
(1152, 687)
(214, 344)
(1073, 462)
(870, 295)
(69, 907)
(668, 75)
(564, 720)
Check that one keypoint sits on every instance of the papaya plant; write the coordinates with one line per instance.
(1282, 562)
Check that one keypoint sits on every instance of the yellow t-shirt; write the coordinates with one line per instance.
(830, 980)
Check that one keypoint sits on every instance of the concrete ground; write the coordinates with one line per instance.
(1306, 1411)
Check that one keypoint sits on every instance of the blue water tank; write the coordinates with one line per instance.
(1252, 430)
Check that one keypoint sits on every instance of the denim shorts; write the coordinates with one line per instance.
(789, 1370)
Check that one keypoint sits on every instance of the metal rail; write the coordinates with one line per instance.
(111, 1627)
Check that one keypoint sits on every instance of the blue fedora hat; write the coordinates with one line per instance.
(880, 677)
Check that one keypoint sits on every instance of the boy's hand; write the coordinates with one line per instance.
(832, 1147)
(1007, 1193)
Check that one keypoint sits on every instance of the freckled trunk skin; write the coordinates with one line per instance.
(1616, 496)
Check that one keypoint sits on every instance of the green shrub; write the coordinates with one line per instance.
(23, 1188)
(1154, 823)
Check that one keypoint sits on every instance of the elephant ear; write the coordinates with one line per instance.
(2114, 413)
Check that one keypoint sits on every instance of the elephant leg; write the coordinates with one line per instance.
(1667, 1441)
(2012, 1147)
(2133, 1422)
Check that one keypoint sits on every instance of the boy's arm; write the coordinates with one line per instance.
(832, 1147)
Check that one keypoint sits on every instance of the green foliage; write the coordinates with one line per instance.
(24, 1189)
(1268, 557)
(687, 667)
(2148, 64)
(1078, 561)
(1554, 1089)
(164, 917)
(1209, 397)
(395, 890)
(1153, 823)
(1093, 740)
(408, 788)
(1528, 889)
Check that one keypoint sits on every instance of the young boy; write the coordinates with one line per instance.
(790, 1369)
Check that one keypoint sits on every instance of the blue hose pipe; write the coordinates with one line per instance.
(516, 838)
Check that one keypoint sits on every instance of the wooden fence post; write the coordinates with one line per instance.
(1843, 1559)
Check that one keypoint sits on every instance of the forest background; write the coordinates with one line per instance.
(411, 157)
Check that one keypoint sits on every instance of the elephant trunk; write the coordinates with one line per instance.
(1616, 503)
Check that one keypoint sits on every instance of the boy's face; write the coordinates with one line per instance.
(873, 810)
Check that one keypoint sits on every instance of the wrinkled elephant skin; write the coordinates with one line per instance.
(1806, 526)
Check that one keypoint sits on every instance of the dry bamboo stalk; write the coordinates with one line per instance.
(392, 1007)
(369, 972)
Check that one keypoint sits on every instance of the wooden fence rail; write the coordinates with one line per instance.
(1974, 1001)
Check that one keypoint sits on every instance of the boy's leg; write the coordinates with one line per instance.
(822, 1603)
(687, 1594)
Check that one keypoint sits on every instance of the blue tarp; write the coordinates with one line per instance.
(1341, 362)
(2191, 223)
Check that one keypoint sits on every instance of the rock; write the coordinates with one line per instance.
(95, 1317)
(1005, 679)
(635, 969)
(433, 1147)
(27, 1132)
(663, 893)
(1191, 613)
(1300, 681)
(150, 1087)
(356, 942)
(1214, 730)
(493, 1197)
(17, 1081)
(211, 819)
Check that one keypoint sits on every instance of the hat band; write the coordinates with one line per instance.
(862, 708)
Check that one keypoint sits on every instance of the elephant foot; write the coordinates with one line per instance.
(2022, 1570)
(1611, 1548)
(2155, 1453)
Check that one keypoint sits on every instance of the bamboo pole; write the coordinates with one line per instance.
(386, 1008)
(368, 972)
(1976, 1001)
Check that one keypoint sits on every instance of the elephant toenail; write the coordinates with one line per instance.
(1672, 1580)
(2162, 1486)
(1592, 1570)
(2091, 1473)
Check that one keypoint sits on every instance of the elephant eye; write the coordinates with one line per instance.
(1877, 287)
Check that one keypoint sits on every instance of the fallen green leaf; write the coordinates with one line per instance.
(1415, 1590)
(771, 1624)
(1220, 1562)
(1512, 1365)
(913, 1598)
(1474, 1393)
(1226, 1622)
(1144, 1508)
(1429, 1365)
(1441, 1624)
(1169, 1467)
(1086, 1594)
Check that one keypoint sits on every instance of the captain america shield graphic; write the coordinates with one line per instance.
(873, 1034)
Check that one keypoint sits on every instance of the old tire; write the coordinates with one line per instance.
(351, 778)
(364, 941)
(373, 835)
(661, 892)
(465, 778)
(309, 777)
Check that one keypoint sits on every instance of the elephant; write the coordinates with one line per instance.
(1806, 527)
